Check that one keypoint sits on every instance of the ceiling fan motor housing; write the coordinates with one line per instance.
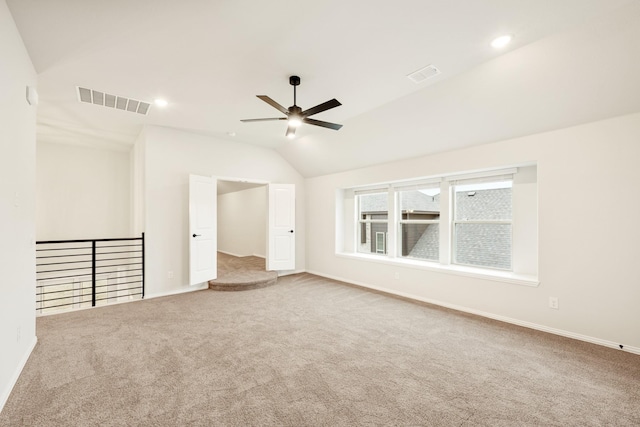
(294, 109)
(294, 80)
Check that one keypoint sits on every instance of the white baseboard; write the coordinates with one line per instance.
(290, 272)
(555, 331)
(179, 291)
(241, 256)
(231, 253)
(14, 379)
(55, 313)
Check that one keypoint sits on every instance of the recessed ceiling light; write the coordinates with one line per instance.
(160, 102)
(502, 41)
(231, 133)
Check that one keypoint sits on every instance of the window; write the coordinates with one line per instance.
(482, 227)
(373, 217)
(419, 219)
(481, 223)
(381, 239)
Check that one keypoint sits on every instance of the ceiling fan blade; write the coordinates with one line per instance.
(333, 126)
(321, 107)
(273, 103)
(263, 120)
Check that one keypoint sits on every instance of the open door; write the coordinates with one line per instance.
(281, 254)
(202, 229)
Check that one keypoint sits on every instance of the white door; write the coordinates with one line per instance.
(202, 229)
(282, 220)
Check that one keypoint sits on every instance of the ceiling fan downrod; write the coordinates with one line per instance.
(294, 81)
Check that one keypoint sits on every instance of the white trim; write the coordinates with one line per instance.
(232, 254)
(496, 173)
(384, 238)
(418, 185)
(282, 273)
(14, 379)
(374, 190)
(419, 221)
(458, 270)
(55, 313)
(200, 287)
(147, 296)
(240, 256)
(530, 325)
(242, 180)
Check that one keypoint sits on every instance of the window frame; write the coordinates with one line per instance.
(384, 242)
(454, 222)
(400, 222)
(365, 224)
(446, 221)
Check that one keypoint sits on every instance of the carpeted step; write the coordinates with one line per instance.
(225, 285)
(242, 273)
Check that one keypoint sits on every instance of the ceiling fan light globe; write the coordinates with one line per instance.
(294, 122)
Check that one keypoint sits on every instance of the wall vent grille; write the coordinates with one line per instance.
(423, 74)
(96, 97)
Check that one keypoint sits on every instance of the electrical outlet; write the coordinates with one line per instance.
(397, 275)
(170, 275)
(18, 334)
(553, 302)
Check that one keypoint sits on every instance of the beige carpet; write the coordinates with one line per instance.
(313, 352)
(242, 273)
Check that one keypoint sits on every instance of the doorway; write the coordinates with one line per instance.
(250, 219)
(242, 218)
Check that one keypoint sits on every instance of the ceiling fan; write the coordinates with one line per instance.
(295, 115)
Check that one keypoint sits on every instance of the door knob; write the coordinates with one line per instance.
(290, 231)
(194, 234)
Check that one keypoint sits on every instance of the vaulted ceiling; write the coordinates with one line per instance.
(571, 61)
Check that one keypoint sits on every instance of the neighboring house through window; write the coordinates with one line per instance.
(373, 215)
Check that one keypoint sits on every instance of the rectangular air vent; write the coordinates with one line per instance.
(90, 96)
(423, 74)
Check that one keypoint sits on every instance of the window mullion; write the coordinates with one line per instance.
(391, 230)
(446, 226)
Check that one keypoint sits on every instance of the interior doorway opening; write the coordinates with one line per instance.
(243, 208)
(242, 219)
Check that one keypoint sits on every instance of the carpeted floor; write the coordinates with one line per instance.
(313, 352)
(242, 273)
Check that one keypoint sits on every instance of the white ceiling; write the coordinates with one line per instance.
(210, 58)
(226, 186)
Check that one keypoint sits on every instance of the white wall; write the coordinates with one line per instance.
(587, 226)
(137, 185)
(242, 222)
(170, 156)
(82, 192)
(17, 205)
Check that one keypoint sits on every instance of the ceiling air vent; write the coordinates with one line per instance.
(90, 96)
(423, 74)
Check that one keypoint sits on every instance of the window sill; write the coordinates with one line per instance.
(458, 270)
